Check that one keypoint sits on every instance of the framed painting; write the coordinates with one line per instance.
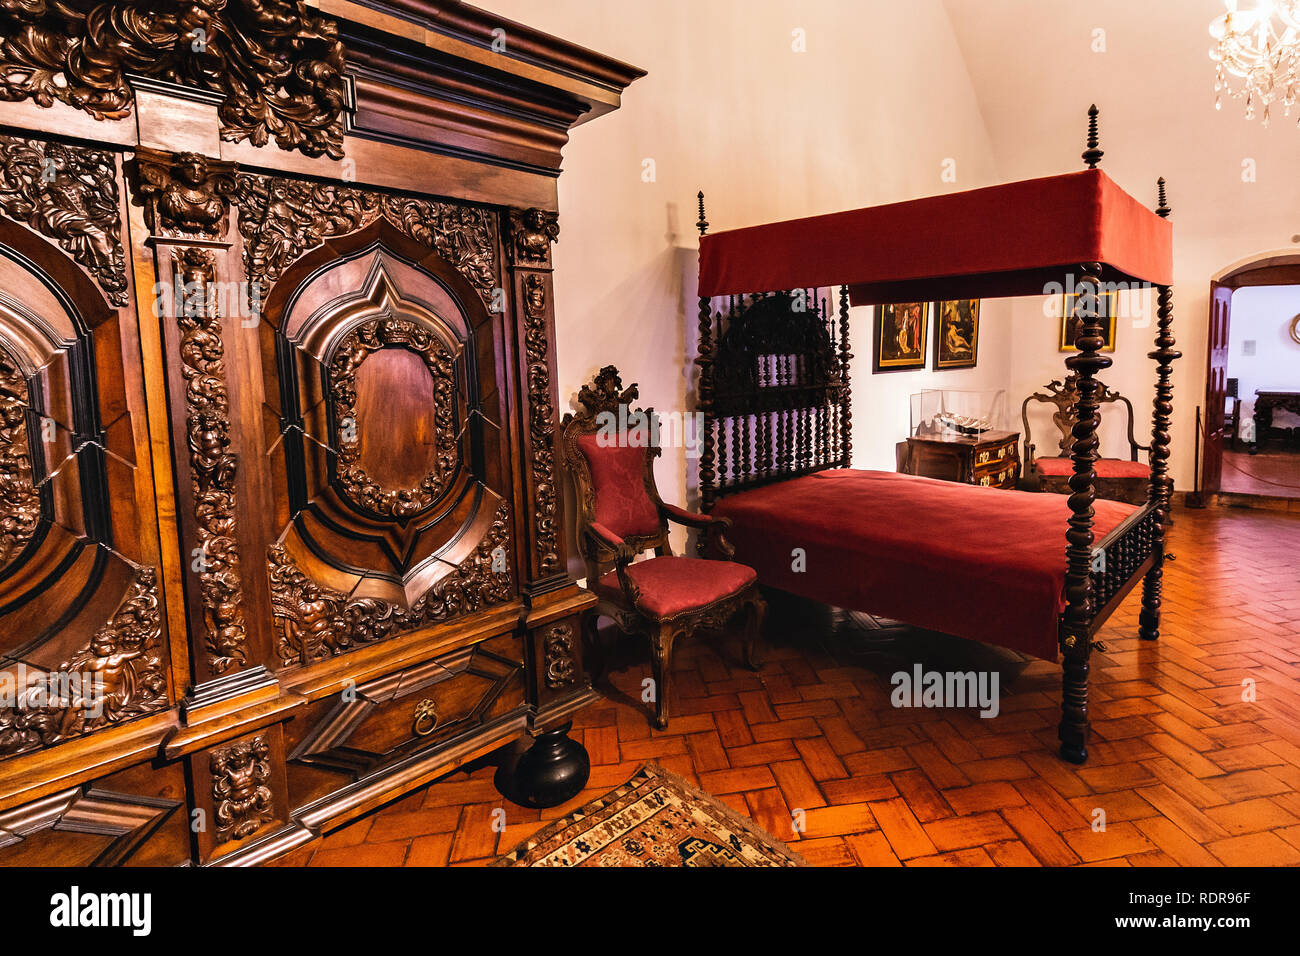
(901, 336)
(957, 333)
(1108, 302)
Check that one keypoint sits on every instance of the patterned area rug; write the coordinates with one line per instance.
(655, 819)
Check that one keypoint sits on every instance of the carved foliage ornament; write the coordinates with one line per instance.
(561, 671)
(531, 233)
(119, 676)
(20, 502)
(281, 219)
(241, 788)
(212, 466)
(541, 424)
(356, 346)
(278, 66)
(314, 622)
(68, 194)
(185, 194)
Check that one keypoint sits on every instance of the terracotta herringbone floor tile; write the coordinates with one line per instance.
(1188, 767)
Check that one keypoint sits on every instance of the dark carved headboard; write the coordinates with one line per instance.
(774, 390)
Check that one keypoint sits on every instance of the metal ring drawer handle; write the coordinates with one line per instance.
(426, 718)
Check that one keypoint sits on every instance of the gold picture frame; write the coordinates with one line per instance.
(902, 336)
(957, 333)
(1109, 305)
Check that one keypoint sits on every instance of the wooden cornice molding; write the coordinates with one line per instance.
(451, 20)
(452, 78)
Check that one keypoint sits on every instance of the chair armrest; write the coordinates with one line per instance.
(692, 520)
(623, 553)
(712, 527)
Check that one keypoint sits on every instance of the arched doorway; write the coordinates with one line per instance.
(1277, 268)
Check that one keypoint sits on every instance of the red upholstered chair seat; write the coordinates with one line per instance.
(1105, 468)
(671, 585)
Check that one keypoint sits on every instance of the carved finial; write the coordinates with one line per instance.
(605, 392)
(1092, 155)
(1162, 210)
(702, 224)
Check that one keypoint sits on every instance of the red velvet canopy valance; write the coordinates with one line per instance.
(1004, 240)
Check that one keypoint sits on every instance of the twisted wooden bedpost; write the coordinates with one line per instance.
(1163, 407)
(846, 405)
(704, 392)
(1076, 625)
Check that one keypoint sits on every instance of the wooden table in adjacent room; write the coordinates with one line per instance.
(1265, 403)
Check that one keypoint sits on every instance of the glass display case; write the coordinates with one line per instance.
(944, 413)
(961, 435)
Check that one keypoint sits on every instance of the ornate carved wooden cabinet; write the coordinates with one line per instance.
(280, 534)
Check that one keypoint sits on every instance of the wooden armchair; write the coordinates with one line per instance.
(609, 451)
(1117, 479)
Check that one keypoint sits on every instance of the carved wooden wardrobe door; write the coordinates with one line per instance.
(82, 631)
(279, 532)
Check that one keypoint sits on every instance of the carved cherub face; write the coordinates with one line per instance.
(191, 169)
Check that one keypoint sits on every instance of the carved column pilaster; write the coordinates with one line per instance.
(186, 199)
(528, 249)
(557, 677)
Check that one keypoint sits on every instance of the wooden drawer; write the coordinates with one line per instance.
(992, 459)
(417, 708)
(1001, 474)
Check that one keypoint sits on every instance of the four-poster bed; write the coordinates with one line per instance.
(774, 390)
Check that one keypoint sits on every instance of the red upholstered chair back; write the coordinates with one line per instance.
(610, 461)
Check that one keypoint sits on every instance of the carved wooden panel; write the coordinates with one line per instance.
(20, 502)
(239, 789)
(82, 631)
(531, 232)
(213, 465)
(281, 219)
(69, 195)
(132, 818)
(277, 66)
(413, 708)
(437, 398)
(393, 510)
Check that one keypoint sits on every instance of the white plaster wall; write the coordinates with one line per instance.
(866, 115)
(1263, 315)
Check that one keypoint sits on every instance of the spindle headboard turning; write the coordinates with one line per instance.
(774, 389)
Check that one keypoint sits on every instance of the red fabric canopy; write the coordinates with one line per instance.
(998, 241)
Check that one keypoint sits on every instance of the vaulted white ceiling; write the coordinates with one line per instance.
(1035, 72)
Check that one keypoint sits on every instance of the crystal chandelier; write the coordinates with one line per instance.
(1258, 55)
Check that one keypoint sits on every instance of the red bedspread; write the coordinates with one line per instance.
(978, 563)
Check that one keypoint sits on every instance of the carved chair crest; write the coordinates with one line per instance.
(1065, 396)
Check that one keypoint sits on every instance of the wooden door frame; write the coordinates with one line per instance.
(1281, 267)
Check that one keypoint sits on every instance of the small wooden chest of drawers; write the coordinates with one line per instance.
(991, 459)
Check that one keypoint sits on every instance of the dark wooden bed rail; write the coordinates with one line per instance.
(762, 427)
